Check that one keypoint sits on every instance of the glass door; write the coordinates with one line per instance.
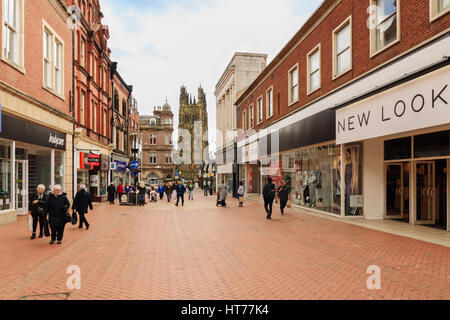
(21, 187)
(425, 193)
(394, 191)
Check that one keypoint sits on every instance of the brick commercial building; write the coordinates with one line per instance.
(35, 85)
(360, 123)
(238, 75)
(157, 145)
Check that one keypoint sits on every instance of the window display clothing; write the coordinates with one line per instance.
(348, 186)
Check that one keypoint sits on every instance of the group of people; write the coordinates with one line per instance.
(117, 192)
(270, 192)
(51, 211)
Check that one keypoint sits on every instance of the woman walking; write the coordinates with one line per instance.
(111, 193)
(168, 190)
(56, 209)
(37, 204)
(142, 190)
(240, 193)
(283, 194)
(81, 204)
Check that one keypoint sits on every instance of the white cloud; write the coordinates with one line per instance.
(158, 52)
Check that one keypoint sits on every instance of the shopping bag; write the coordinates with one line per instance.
(74, 218)
(30, 222)
(289, 204)
(46, 229)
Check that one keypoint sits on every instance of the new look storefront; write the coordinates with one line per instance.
(404, 129)
(30, 155)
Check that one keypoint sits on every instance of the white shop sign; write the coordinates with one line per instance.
(225, 169)
(420, 103)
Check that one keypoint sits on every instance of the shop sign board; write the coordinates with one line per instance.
(416, 104)
(121, 166)
(94, 160)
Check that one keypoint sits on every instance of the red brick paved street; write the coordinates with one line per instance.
(204, 252)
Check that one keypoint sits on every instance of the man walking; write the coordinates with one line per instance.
(111, 193)
(269, 197)
(191, 190)
(181, 190)
(283, 194)
(161, 190)
(81, 204)
(205, 188)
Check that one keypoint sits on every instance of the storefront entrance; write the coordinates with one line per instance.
(397, 191)
(21, 186)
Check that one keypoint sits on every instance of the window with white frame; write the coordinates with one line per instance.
(260, 110)
(269, 103)
(244, 120)
(293, 85)
(82, 107)
(13, 32)
(438, 8)
(314, 70)
(83, 53)
(342, 47)
(94, 126)
(251, 117)
(386, 28)
(47, 58)
(52, 60)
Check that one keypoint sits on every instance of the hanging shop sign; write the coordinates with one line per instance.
(417, 104)
(94, 160)
(121, 166)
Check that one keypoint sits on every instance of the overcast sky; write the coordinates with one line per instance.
(163, 44)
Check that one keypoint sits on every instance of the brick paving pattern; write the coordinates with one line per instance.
(203, 252)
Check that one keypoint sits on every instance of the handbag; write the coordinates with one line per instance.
(68, 217)
(46, 229)
(289, 204)
(74, 218)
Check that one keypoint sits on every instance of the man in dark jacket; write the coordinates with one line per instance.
(37, 204)
(181, 190)
(169, 190)
(283, 194)
(81, 204)
(269, 197)
(111, 193)
(56, 209)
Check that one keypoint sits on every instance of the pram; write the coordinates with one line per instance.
(153, 196)
(219, 202)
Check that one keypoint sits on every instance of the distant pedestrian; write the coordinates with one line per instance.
(37, 204)
(283, 194)
(181, 190)
(222, 196)
(269, 197)
(120, 191)
(161, 190)
(111, 193)
(128, 188)
(191, 190)
(57, 211)
(205, 188)
(168, 190)
(240, 193)
(81, 204)
(142, 190)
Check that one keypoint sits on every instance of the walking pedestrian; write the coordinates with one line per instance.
(269, 197)
(37, 204)
(240, 193)
(56, 210)
(168, 190)
(191, 190)
(161, 190)
(120, 191)
(205, 188)
(142, 190)
(283, 194)
(174, 192)
(181, 190)
(222, 196)
(81, 204)
(111, 193)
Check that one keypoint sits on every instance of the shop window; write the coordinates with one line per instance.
(398, 149)
(5, 177)
(436, 144)
(260, 110)
(313, 178)
(251, 117)
(386, 24)
(353, 160)
(59, 168)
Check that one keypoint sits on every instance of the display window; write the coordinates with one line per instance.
(5, 177)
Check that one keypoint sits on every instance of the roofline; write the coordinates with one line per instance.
(230, 65)
(285, 50)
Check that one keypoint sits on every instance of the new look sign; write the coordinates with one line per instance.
(420, 103)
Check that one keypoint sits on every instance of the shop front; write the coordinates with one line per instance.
(30, 155)
(93, 171)
(405, 132)
(120, 174)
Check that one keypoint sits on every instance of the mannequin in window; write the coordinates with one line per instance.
(349, 180)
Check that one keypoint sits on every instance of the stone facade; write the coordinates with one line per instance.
(193, 118)
(157, 145)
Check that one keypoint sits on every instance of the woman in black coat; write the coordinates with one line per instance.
(37, 204)
(56, 209)
(111, 193)
(81, 204)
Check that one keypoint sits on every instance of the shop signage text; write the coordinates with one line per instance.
(94, 160)
(418, 104)
(55, 141)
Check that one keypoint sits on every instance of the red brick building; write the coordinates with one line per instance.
(335, 106)
(92, 98)
(35, 85)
